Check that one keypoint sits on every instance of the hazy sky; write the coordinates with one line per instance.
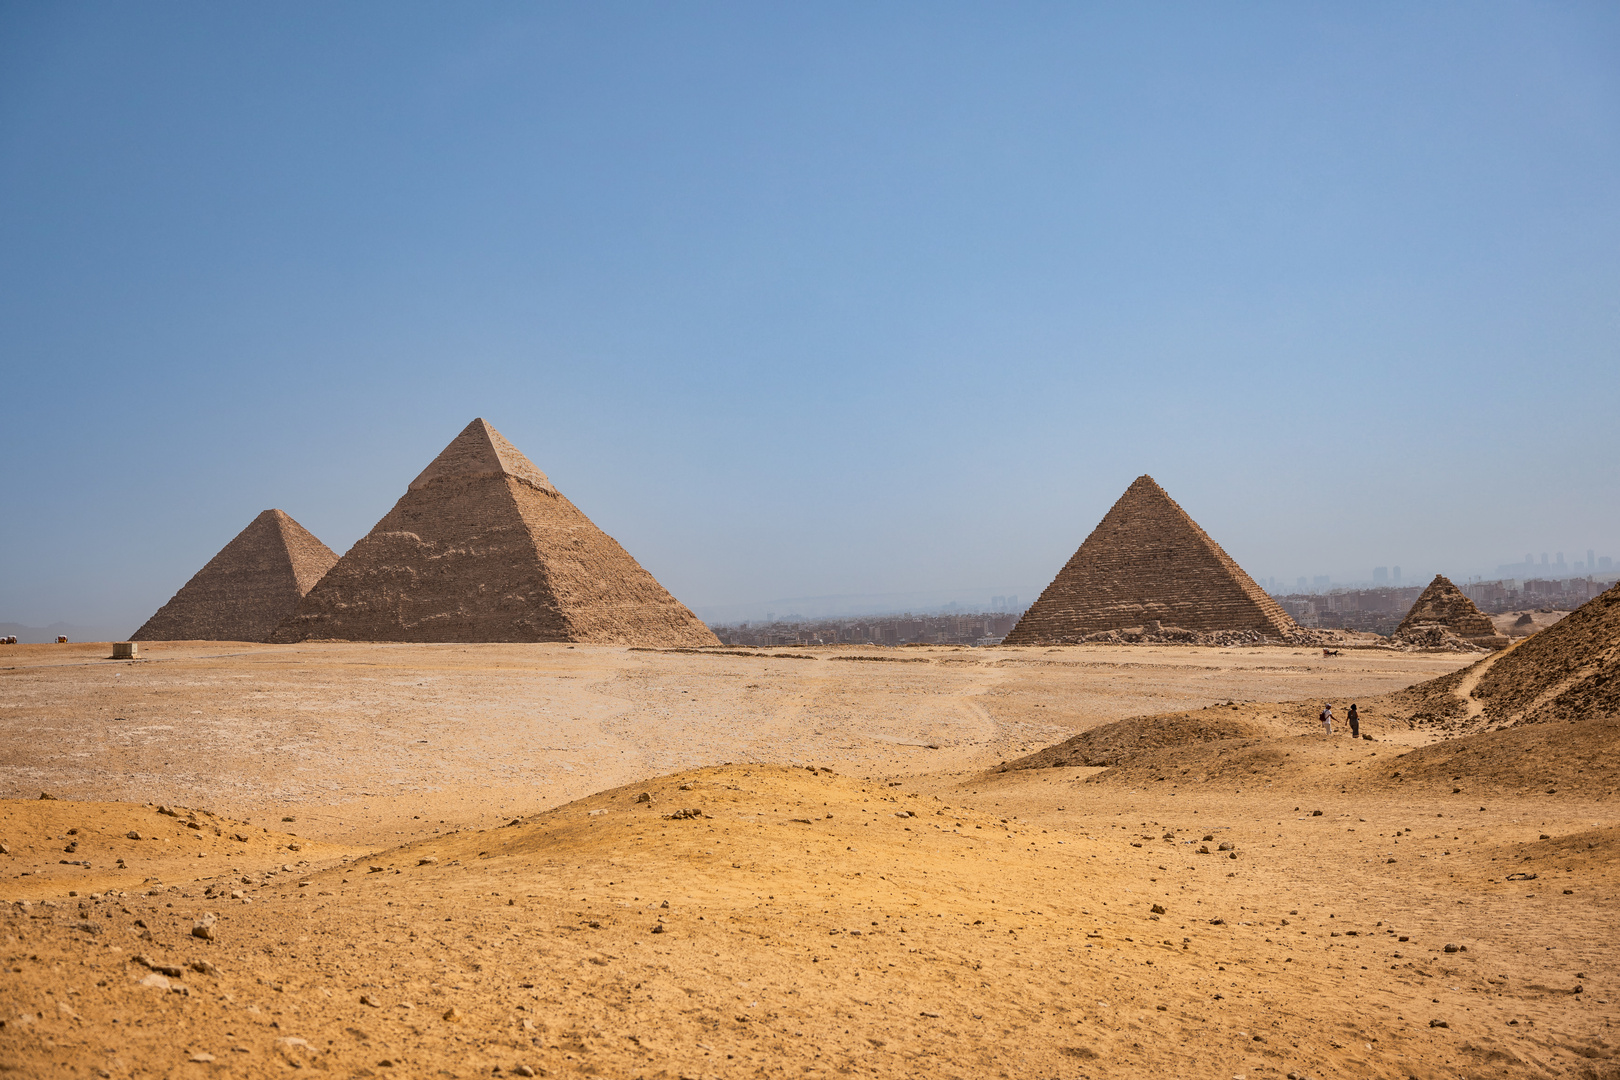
(809, 299)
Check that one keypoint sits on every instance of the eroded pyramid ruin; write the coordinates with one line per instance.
(1444, 611)
(482, 547)
(1148, 563)
(248, 589)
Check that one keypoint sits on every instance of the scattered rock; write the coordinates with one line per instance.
(203, 1059)
(427, 860)
(203, 967)
(204, 927)
(1226, 846)
(1316, 813)
(367, 999)
(1438, 1023)
(1157, 909)
(157, 982)
(523, 1070)
(451, 1015)
(659, 929)
(644, 797)
(685, 815)
(132, 835)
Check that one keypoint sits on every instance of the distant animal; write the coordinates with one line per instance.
(61, 639)
(1330, 652)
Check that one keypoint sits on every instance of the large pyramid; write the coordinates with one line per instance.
(1147, 562)
(482, 547)
(1444, 609)
(246, 590)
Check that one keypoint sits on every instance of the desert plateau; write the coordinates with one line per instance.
(592, 860)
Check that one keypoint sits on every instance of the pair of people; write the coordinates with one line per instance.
(1326, 716)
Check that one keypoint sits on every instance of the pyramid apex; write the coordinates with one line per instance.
(480, 450)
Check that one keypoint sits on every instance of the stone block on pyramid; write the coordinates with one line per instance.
(248, 589)
(1148, 563)
(1443, 609)
(482, 547)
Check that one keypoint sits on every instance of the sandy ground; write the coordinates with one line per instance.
(492, 901)
(359, 740)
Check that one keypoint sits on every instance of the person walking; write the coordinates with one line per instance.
(1326, 717)
(1355, 721)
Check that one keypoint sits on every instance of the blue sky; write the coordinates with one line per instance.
(806, 300)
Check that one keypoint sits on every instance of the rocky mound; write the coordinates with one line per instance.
(1443, 617)
(1517, 624)
(1573, 759)
(1124, 741)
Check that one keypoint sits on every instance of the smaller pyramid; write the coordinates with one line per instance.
(1444, 609)
(1148, 562)
(245, 591)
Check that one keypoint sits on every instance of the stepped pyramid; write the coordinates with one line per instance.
(1148, 562)
(1443, 606)
(482, 547)
(245, 591)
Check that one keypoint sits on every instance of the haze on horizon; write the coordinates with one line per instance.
(823, 302)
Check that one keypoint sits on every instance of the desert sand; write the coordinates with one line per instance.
(831, 873)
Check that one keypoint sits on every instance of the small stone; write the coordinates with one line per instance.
(203, 967)
(158, 982)
(132, 835)
(204, 927)
(1157, 909)
(1451, 948)
(1438, 1023)
(1316, 813)
(427, 860)
(287, 868)
(295, 847)
(644, 797)
(523, 1070)
(451, 1015)
(1225, 846)
(659, 929)
(202, 1058)
(367, 999)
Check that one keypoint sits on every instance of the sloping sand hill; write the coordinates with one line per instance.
(766, 921)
